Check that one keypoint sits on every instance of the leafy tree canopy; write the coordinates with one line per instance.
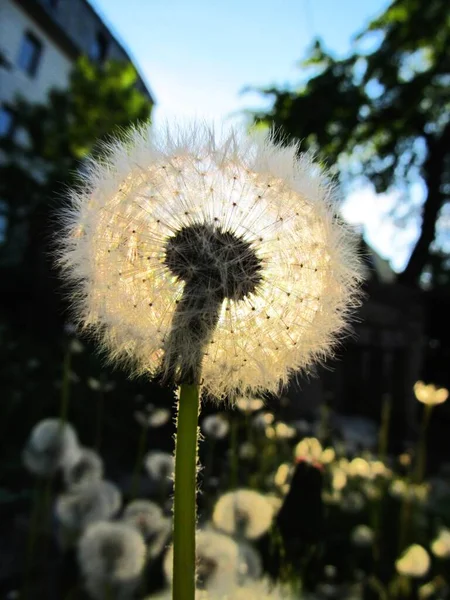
(382, 113)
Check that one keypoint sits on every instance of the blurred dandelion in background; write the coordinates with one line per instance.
(215, 426)
(430, 394)
(414, 562)
(87, 469)
(243, 513)
(51, 445)
(111, 558)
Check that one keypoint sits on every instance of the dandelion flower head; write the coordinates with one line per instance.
(414, 562)
(215, 426)
(243, 513)
(159, 466)
(430, 394)
(148, 518)
(188, 247)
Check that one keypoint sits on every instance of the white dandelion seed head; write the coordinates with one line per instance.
(87, 469)
(243, 513)
(148, 518)
(215, 426)
(247, 451)
(189, 246)
(160, 466)
(338, 479)
(262, 420)
(95, 501)
(217, 560)
(414, 562)
(358, 467)
(51, 445)
(111, 555)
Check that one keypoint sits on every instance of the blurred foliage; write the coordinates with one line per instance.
(383, 114)
(48, 146)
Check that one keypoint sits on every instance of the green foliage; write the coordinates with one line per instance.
(382, 114)
(52, 139)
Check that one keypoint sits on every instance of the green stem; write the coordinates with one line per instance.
(136, 478)
(422, 444)
(184, 517)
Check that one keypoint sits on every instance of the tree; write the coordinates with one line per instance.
(40, 162)
(383, 114)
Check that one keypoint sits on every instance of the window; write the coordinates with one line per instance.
(99, 48)
(7, 121)
(30, 54)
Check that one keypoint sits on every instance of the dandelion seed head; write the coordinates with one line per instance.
(87, 469)
(414, 562)
(159, 466)
(148, 518)
(111, 554)
(215, 426)
(243, 513)
(95, 501)
(217, 560)
(51, 445)
(187, 246)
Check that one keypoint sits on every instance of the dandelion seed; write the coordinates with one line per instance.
(111, 558)
(414, 562)
(95, 501)
(309, 450)
(243, 513)
(215, 426)
(430, 394)
(86, 470)
(52, 445)
(222, 251)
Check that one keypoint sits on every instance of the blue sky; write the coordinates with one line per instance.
(198, 56)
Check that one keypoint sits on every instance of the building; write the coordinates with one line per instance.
(39, 42)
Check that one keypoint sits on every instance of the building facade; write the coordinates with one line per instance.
(39, 42)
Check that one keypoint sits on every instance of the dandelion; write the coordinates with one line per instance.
(261, 421)
(217, 561)
(111, 558)
(362, 536)
(95, 501)
(243, 513)
(359, 467)
(148, 518)
(249, 405)
(338, 479)
(414, 562)
(52, 445)
(208, 258)
(87, 469)
(309, 450)
(159, 466)
(430, 394)
(215, 426)
(189, 248)
(440, 547)
(247, 451)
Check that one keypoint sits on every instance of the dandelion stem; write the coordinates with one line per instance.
(185, 494)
